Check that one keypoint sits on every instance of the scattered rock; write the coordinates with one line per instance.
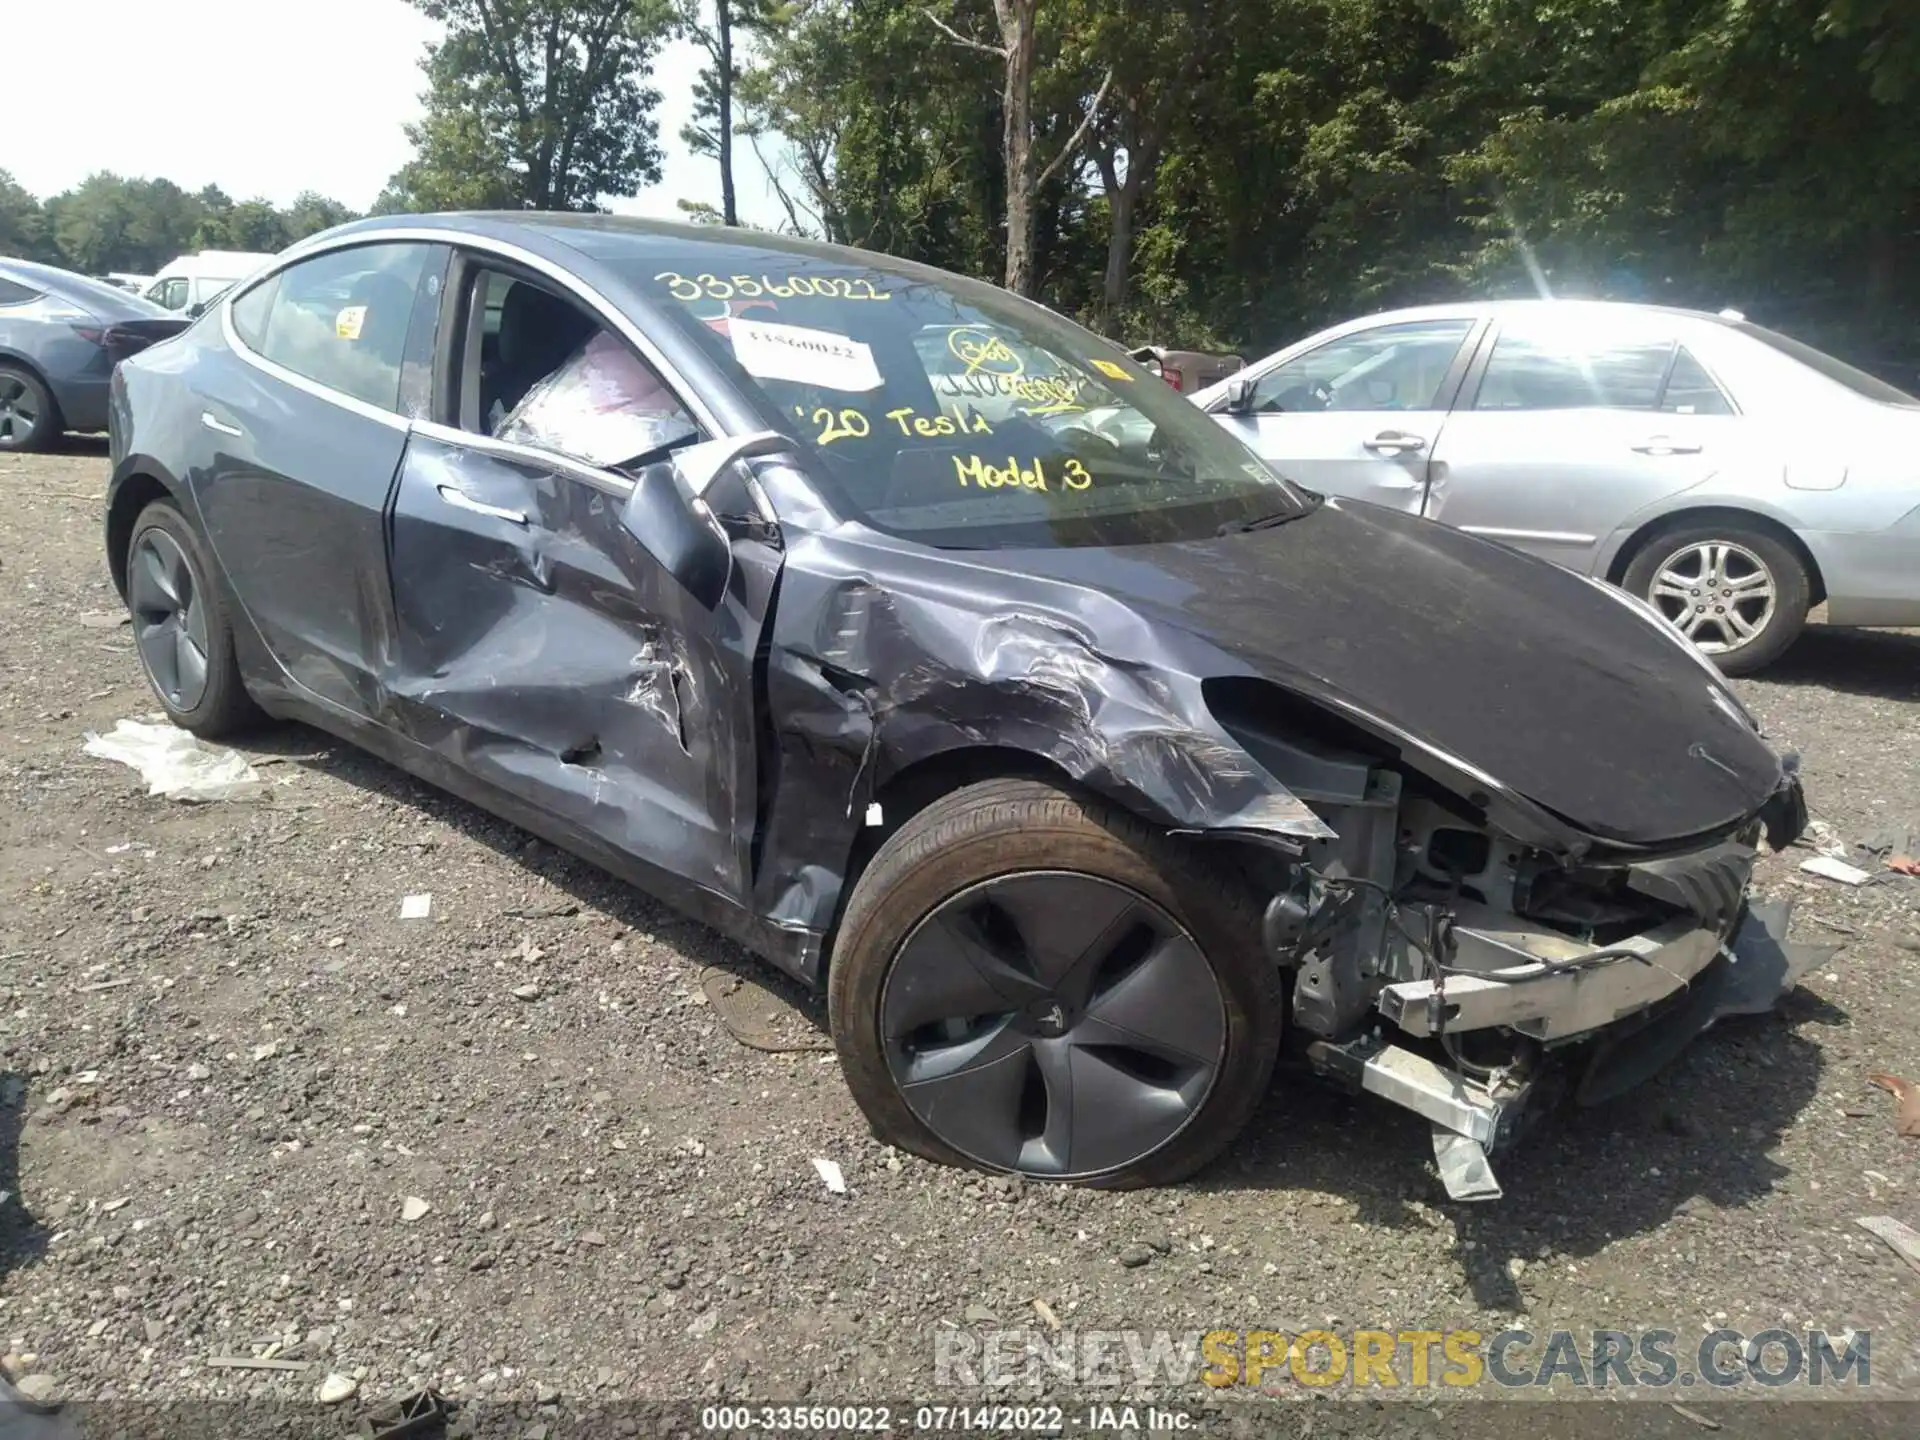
(1134, 1256)
(335, 1388)
(197, 1071)
(528, 991)
(40, 1389)
(413, 1208)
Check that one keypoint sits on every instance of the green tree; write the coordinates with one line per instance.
(544, 96)
(312, 212)
(23, 224)
(93, 224)
(721, 28)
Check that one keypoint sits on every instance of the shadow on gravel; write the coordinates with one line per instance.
(81, 445)
(578, 880)
(1694, 1137)
(1692, 1140)
(22, 1238)
(1884, 664)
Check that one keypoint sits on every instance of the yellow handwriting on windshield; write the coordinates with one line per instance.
(983, 353)
(836, 424)
(913, 423)
(972, 470)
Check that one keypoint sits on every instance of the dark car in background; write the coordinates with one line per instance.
(932, 648)
(61, 334)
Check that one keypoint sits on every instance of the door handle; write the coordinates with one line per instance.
(1394, 442)
(460, 500)
(1663, 445)
(214, 422)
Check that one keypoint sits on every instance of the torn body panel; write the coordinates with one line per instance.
(875, 667)
(542, 649)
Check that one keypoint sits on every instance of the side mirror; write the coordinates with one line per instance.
(668, 512)
(196, 310)
(1239, 396)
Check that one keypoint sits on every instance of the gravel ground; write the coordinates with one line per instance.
(516, 1151)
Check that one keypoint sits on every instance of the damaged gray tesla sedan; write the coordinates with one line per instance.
(815, 592)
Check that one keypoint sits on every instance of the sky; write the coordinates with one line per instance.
(213, 92)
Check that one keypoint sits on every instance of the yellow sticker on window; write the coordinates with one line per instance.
(348, 322)
(1112, 371)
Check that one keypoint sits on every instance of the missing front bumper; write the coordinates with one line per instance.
(1700, 981)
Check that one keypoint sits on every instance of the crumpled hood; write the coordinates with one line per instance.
(1523, 670)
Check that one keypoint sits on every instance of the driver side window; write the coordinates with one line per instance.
(542, 371)
(1391, 367)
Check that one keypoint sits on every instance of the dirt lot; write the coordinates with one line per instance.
(228, 1065)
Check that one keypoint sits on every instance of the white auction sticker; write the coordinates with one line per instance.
(806, 357)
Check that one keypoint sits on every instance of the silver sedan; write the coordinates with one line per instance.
(1731, 477)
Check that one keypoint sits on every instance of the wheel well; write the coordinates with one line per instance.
(136, 492)
(1708, 514)
(913, 788)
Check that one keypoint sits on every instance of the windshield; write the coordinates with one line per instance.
(1838, 371)
(955, 415)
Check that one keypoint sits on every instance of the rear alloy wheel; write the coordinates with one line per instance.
(1738, 595)
(180, 626)
(29, 419)
(1029, 982)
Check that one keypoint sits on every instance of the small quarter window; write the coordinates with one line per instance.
(1691, 391)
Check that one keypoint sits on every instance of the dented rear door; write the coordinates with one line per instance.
(546, 653)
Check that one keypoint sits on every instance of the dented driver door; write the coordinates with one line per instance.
(545, 653)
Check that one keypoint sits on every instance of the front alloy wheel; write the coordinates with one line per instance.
(1031, 980)
(1053, 1023)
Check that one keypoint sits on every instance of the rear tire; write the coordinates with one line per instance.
(988, 958)
(1736, 591)
(29, 416)
(180, 626)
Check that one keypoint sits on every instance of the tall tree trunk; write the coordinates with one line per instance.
(1016, 33)
(723, 16)
(1119, 248)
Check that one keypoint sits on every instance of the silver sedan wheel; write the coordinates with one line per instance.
(1719, 595)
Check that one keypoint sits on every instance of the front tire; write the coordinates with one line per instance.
(1735, 591)
(180, 626)
(29, 416)
(1028, 981)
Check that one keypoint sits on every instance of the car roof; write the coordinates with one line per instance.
(1544, 306)
(75, 288)
(612, 239)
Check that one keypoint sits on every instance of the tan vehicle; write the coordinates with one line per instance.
(1187, 370)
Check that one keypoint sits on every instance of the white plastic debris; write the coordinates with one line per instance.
(1826, 840)
(416, 907)
(830, 1175)
(1831, 869)
(175, 764)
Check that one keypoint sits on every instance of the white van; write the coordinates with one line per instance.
(191, 281)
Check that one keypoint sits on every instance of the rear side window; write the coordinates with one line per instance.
(13, 293)
(1565, 369)
(339, 319)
